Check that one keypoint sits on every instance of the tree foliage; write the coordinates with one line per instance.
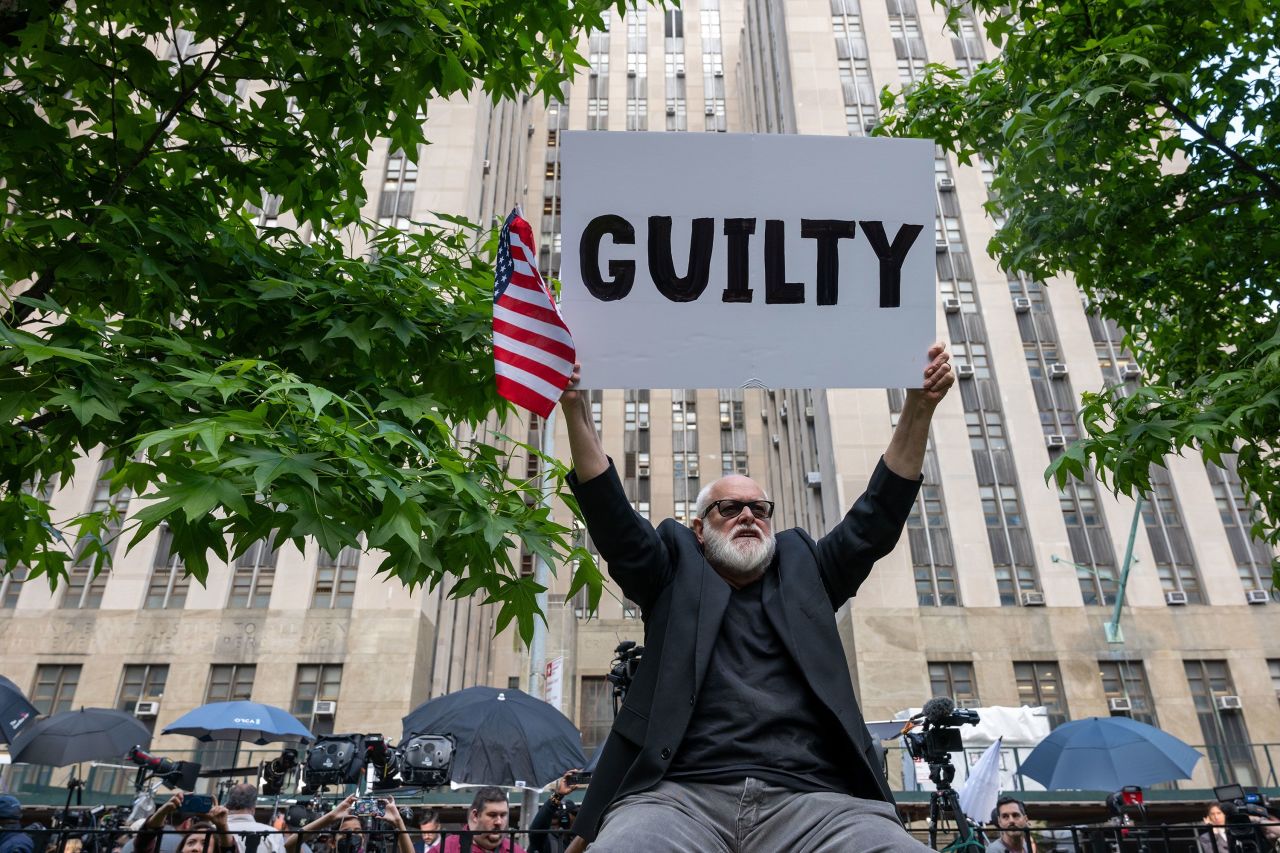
(248, 382)
(1136, 146)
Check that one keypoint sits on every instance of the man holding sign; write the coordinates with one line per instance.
(741, 732)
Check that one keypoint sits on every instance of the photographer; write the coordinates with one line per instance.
(555, 814)
(351, 834)
(202, 836)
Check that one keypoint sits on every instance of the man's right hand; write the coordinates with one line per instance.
(571, 393)
(589, 459)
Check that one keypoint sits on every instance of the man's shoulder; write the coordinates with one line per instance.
(997, 846)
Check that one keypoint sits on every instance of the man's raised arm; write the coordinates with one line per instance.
(905, 454)
(589, 460)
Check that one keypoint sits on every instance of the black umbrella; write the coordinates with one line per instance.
(90, 734)
(504, 737)
(15, 710)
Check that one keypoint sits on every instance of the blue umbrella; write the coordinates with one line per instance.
(1107, 753)
(248, 721)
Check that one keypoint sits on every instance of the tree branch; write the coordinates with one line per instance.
(1233, 155)
(19, 313)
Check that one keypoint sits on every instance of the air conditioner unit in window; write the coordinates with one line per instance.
(1033, 599)
(813, 479)
(1228, 703)
(870, 125)
(1256, 596)
(951, 306)
(776, 439)
(964, 371)
(631, 72)
(326, 707)
(808, 413)
(530, 131)
(146, 709)
(1055, 440)
(764, 414)
(782, 411)
(1021, 304)
(718, 73)
(940, 245)
(1058, 371)
(642, 471)
(485, 166)
(593, 73)
(1130, 371)
(946, 184)
(710, 111)
(671, 111)
(1175, 597)
(1119, 703)
(679, 70)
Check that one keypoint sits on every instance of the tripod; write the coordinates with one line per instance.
(944, 802)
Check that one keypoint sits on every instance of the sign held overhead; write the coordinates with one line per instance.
(714, 260)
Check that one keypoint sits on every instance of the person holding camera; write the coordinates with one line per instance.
(741, 731)
(556, 814)
(208, 835)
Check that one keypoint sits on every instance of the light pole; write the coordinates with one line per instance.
(1111, 630)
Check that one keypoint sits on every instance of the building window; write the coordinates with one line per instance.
(1226, 739)
(55, 687)
(395, 207)
(1040, 683)
(316, 682)
(141, 682)
(1170, 545)
(1253, 557)
(1125, 685)
(11, 587)
(955, 680)
(255, 575)
(85, 587)
(595, 710)
(169, 580)
(1274, 666)
(336, 580)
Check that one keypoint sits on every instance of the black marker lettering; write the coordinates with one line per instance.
(662, 268)
(891, 258)
(777, 290)
(739, 232)
(828, 233)
(622, 273)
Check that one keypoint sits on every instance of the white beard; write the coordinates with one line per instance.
(738, 557)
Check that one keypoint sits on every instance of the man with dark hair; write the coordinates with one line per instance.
(12, 839)
(428, 829)
(741, 732)
(486, 820)
(251, 836)
(1010, 814)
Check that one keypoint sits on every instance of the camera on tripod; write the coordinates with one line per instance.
(626, 661)
(275, 771)
(174, 774)
(1242, 805)
(939, 736)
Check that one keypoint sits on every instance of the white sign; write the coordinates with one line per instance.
(705, 260)
(553, 688)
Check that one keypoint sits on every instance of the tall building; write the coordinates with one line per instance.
(999, 589)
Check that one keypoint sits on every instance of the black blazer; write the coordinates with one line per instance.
(682, 601)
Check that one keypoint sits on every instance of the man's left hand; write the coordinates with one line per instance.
(938, 376)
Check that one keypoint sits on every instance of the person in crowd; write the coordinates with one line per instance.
(741, 727)
(556, 814)
(486, 820)
(352, 835)
(428, 830)
(12, 838)
(1213, 839)
(1010, 814)
(251, 836)
(203, 834)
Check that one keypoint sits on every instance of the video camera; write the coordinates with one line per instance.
(174, 774)
(939, 735)
(275, 771)
(423, 760)
(622, 671)
(1241, 805)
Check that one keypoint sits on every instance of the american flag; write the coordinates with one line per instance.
(533, 352)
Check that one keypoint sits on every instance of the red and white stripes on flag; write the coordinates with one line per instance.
(533, 352)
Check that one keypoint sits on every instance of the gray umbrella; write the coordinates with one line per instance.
(90, 734)
(15, 711)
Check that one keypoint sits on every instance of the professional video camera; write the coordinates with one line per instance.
(275, 771)
(175, 774)
(622, 672)
(939, 736)
(1241, 804)
(334, 760)
(425, 760)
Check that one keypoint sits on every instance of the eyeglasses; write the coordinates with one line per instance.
(730, 508)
